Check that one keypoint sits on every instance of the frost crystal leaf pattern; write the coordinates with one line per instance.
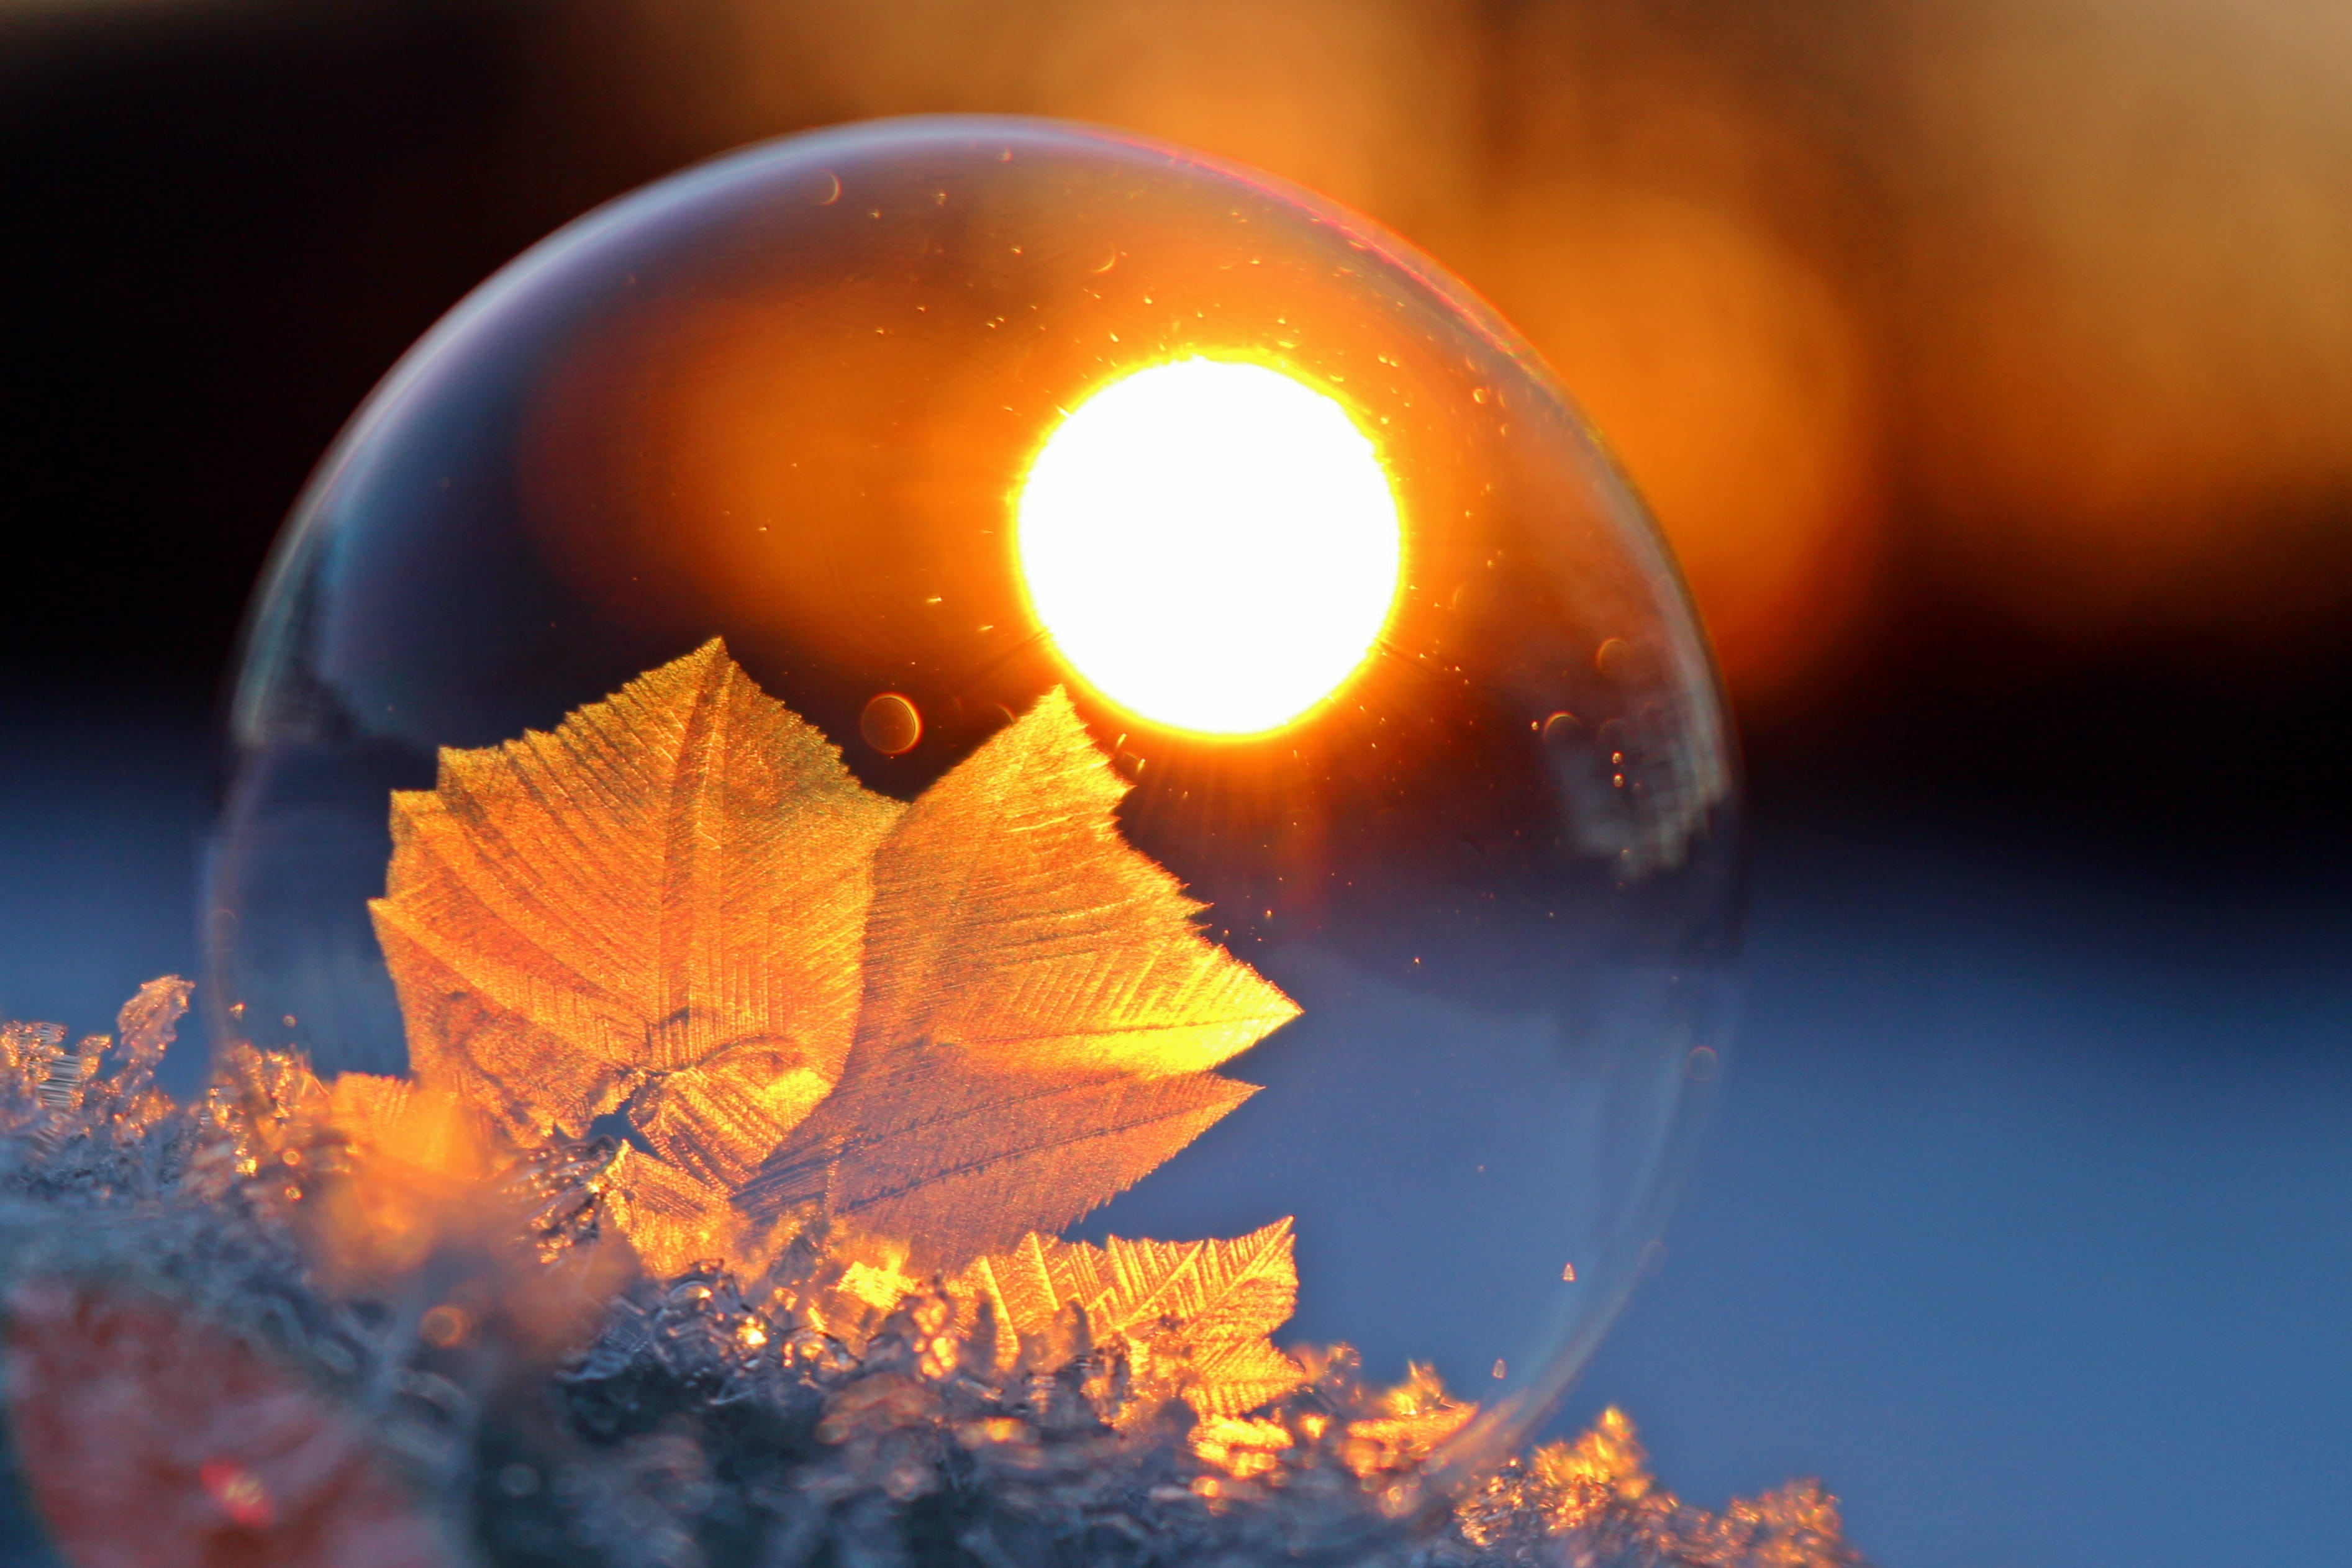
(1039, 1012)
(662, 898)
(1193, 1315)
(945, 1024)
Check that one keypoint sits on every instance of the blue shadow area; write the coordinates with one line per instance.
(2027, 1221)
(102, 805)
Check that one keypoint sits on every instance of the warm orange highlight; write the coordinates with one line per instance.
(1736, 388)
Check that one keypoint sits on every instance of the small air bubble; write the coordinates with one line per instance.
(891, 723)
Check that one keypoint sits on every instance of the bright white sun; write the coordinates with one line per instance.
(1212, 545)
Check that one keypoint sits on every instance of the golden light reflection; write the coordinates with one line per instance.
(1212, 545)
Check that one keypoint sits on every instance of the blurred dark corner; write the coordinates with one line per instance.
(1988, 361)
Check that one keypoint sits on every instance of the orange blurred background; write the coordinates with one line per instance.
(1956, 346)
(2062, 292)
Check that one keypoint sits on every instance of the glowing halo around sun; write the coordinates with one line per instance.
(1212, 545)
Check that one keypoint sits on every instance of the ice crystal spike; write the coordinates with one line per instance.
(31, 1052)
(67, 1071)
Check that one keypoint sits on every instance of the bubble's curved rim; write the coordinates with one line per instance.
(1498, 1425)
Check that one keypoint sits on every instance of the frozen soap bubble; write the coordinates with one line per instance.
(1142, 711)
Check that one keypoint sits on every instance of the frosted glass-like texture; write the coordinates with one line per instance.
(1360, 639)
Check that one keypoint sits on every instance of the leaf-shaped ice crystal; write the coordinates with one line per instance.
(663, 898)
(945, 1024)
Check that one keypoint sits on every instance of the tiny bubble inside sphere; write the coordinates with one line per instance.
(891, 724)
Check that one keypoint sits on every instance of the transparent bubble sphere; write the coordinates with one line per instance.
(975, 677)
